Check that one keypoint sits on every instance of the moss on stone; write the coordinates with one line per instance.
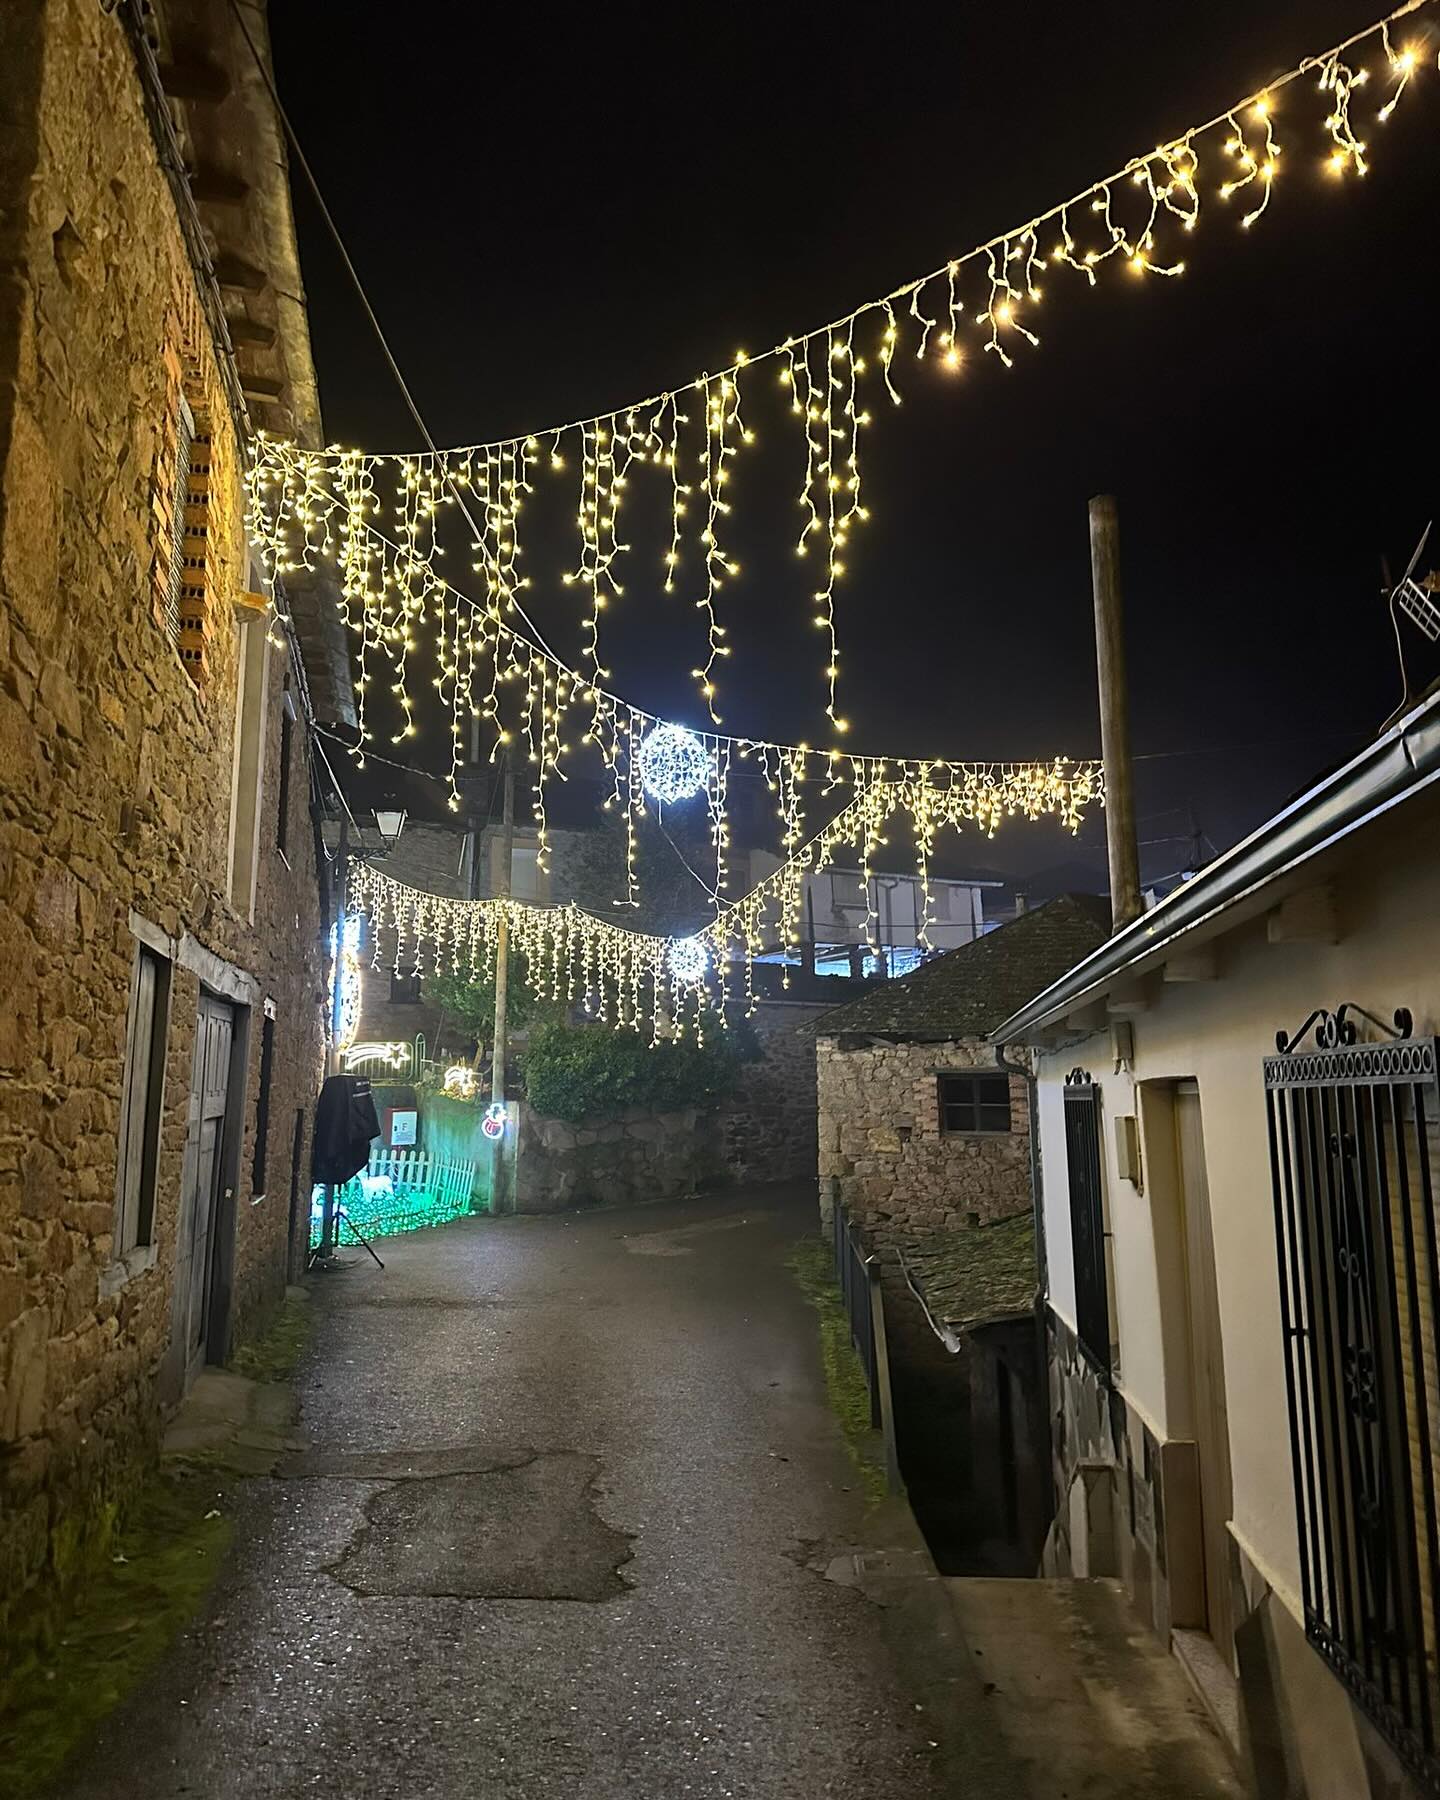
(845, 1384)
(126, 1581)
(974, 1274)
(275, 1354)
(166, 1555)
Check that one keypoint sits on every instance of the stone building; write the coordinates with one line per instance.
(162, 972)
(919, 1126)
(925, 1142)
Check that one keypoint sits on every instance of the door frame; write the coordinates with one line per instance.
(1188, 1554)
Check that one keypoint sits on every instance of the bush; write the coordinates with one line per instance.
(576, 1072)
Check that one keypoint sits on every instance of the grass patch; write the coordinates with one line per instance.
(276, 1354)
(167, 1554)
(845, 1384)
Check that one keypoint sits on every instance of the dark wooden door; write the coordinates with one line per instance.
(205, 1164)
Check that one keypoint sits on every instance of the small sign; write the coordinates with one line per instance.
(493, 1124)
(403, 1126)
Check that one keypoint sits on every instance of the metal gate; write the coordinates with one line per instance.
(1352, 1151)
(1087, 1216)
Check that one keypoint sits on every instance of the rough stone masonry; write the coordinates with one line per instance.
(883, 1153)
(117, 786)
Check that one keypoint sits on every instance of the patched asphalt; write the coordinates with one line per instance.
(571, 1517)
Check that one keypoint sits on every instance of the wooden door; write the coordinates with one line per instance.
(205, 1165)
(1207, 1370)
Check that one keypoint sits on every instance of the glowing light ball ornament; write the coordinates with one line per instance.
(689, 961)
(674, 764)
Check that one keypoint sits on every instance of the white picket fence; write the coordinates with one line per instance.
(449, 1181)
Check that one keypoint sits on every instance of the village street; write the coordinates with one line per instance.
(561, 1523)
(573, 1515)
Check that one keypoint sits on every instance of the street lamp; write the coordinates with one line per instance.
(391, 824)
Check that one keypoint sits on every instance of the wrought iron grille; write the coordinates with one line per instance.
(1087, 1216)
(1353, 1165)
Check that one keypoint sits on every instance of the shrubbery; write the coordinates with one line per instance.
(576, 1072)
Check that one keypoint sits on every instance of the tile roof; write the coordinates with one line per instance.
(973, 1275)
(969, 991)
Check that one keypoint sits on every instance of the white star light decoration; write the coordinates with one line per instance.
(674, 764)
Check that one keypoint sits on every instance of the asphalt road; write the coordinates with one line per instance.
(566, 1522)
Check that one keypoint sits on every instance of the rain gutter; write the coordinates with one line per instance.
(1393, 769)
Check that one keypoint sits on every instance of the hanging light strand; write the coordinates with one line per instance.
(307, 505)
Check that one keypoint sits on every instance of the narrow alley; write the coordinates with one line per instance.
(572, 1515)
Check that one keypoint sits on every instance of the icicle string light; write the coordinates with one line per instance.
(306, 505)
(642, 981)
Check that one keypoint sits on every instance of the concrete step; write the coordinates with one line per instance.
(1087, 1701)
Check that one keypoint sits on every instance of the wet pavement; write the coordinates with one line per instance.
(571, 1516)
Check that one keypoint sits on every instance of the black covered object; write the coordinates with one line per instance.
(345, 1123)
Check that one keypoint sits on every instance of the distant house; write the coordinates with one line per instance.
(925, 1143)
(919, 1126)
(1238, 1117)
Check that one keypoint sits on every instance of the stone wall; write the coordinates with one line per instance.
(639, 1156)
(765, 1131)
(768, 1127)
(116, 771)
(882, 1152)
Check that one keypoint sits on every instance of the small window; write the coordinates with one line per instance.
(974, 1103)
(262, 1110)
(140, 1109)
(405, 989)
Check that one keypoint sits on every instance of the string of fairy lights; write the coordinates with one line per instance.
(377, 520)
(625, 977)
(313, 505)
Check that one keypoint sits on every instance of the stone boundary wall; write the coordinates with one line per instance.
(881, 1149)
(768, 1125)
(764, 1132)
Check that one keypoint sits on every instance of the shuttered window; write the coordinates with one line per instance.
(140, 1109)
(974, 1103)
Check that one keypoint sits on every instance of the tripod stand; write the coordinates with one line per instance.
(357, 1234)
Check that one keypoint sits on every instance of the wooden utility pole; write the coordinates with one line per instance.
(1125, 903)
(501, 1201)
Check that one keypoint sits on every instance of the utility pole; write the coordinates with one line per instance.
(332, 1061)
(1124, 855)
(499, 1200)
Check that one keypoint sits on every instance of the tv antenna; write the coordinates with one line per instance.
(1418, 601)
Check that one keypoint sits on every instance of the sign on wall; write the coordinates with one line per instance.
(403, 1126)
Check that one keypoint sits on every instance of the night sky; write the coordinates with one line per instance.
(556, 213)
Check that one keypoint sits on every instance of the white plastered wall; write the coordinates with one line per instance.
(1218, 1033)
